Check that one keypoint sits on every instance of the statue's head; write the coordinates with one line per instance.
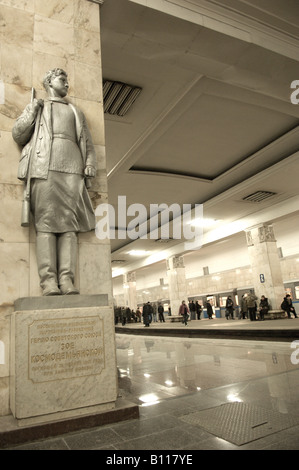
(51, 75)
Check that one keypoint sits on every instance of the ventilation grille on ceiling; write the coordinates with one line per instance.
(259, 196)
(118, 97)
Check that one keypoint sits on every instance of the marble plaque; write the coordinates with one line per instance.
(65, 348)
(62, 360)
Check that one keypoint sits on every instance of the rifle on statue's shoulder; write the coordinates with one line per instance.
(25, 218)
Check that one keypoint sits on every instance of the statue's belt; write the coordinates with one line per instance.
(64, 136)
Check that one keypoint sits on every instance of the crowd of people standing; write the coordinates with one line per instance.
(150, 313)
(250, 308)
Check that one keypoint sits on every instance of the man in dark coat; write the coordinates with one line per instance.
(287, 306)
(161, 313)
(147, 312)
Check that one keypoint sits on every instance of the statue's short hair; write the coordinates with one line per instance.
(52, 73)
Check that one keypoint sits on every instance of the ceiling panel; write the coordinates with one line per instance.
(213, 122)
(212, 136)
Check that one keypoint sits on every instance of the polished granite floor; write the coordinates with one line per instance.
(178, 380)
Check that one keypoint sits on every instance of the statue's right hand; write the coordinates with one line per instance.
(36, 104)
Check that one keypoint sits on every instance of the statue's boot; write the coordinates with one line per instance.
(46, 255)
(67, 259)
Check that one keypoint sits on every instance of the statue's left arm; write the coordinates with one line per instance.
(90, 159)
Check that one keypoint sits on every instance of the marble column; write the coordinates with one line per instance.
(265, 263)
(129, 286)
(176, 282)
(36, 36)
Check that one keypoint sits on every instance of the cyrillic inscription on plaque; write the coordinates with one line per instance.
(65, 348)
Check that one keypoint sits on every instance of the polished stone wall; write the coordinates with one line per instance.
(222, 281)
(36, 36)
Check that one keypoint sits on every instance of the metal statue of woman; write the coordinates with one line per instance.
(57, 160)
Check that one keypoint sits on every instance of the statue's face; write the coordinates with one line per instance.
(59, 86)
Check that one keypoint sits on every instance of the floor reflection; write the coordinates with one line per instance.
(152, 369)
(185, 386)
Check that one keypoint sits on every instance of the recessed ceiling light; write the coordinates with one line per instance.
(169, 383)
(202, 222)
(138, 252)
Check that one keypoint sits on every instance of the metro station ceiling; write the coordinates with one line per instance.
(213, 122)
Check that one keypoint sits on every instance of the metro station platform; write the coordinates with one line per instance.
(271, 330)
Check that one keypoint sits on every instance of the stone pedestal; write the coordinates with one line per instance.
(265, 264)
(63, 359)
